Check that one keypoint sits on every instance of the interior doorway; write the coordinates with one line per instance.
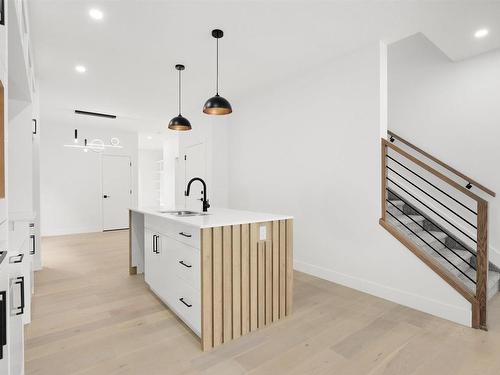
(116, 191)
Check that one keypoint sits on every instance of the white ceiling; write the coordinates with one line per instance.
(130, 54)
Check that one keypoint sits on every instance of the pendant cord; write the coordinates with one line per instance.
(179, 92)
(217, 79)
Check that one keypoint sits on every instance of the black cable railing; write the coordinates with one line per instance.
(431, 209)
(430, 196)
(430, 183)
(432, 234)
(441, 229)
(423, 240)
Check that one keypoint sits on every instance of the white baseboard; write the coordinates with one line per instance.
(401, 297)
(66, 231)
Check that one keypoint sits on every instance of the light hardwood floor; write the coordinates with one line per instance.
(91, 317)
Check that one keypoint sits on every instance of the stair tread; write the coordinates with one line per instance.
(428, 237)
(408, 220)
(493, 281)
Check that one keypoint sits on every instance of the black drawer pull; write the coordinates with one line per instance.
(19, 259)
(185, 234)
(20, 282)
(184, 302)
(184, 264)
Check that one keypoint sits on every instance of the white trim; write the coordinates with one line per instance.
(401, 297)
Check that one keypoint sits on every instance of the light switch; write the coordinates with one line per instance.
(262, 233)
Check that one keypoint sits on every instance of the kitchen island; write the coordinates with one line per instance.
(225, 273)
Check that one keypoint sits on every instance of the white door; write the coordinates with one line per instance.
(195, 167)
(116, 191)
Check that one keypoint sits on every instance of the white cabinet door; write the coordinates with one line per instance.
(148, 256)
(16, 324)
(152, 259)
(4, 317)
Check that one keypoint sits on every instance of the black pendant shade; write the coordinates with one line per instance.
(179, 122)
(217, 105)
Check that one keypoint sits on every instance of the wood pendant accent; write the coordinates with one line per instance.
(247, 282)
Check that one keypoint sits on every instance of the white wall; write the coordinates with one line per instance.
(451, 110)
(71, 194)
(310, 147)
(149, 178)
(213, 132)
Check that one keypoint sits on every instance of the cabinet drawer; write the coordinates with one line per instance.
(185, 301)
(186, 264)
(187, 234)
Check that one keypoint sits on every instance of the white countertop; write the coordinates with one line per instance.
(217, 217)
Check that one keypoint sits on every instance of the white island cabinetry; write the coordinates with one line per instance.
(225, 273)
(172, 267)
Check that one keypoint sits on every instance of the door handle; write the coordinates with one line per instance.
(155, 244)
(106, 196)
(19, 259)
(185, 265)
(33, 242)
(184, 302)
(157, 251)
(185, 234)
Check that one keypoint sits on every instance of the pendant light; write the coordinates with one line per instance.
(179, 122)
(217, 105)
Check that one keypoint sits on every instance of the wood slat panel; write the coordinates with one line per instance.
(289, 266)
(261, 283)
(217, 286)
(253, 277)
(236, 281)
(245, 279)
(227, 276)
(246, 282)
(206, 290)
(269, 281)
(282, 268)
(276, 265)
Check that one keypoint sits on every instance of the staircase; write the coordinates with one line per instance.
(441, 215)
(453, 255)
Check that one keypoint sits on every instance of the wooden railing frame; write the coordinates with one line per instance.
(443, 164)
(480, 298)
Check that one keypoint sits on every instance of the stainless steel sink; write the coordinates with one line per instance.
(182, 213)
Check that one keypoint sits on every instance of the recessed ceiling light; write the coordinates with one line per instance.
(96, 14)
(149, 137)
(80, 69)
(481, 33)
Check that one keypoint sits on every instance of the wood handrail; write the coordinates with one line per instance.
(478, 299)
(435, 172)
(443, 164)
